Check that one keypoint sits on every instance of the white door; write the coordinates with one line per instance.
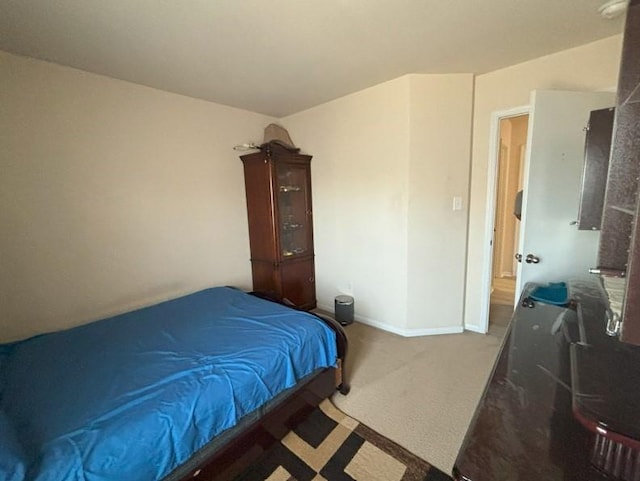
(552, 178)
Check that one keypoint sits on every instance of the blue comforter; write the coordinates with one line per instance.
(134, 396)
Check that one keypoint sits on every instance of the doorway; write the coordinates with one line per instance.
(551, 247)
(512, 142)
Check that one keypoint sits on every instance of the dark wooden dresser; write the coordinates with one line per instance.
(563, 401)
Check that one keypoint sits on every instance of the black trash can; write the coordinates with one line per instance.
(344, 309)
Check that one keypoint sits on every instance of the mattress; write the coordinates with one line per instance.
(132, 397)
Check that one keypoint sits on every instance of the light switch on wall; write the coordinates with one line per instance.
(457, 202)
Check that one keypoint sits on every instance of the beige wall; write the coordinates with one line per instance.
(387, 162)
(441, 110)
(360, 148)
(589, 67)
(113, 195)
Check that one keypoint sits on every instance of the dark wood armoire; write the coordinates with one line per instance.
(278, 191)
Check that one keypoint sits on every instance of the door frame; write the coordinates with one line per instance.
(490, 207)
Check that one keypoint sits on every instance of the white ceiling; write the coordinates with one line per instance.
(282, 56)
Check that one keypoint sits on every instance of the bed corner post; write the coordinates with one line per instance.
(342, 385)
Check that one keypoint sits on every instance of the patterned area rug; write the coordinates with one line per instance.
(330, 446)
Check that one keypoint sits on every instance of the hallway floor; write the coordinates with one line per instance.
(501, 307)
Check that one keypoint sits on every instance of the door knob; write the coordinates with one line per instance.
(531, 259)
(518, 257)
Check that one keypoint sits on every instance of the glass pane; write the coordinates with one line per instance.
(292, 208)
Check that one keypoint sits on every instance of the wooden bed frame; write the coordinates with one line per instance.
(241, 451)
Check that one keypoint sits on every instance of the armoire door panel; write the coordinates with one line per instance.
(299, 284)
(294, 208)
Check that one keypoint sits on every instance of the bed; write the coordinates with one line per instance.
(194, 387)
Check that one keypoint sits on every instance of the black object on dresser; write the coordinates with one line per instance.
(278, 191)
(563, 401)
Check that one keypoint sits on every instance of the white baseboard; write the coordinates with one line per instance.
(432, 331)
(474, 328)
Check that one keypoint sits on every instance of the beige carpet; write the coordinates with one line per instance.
(420, 392)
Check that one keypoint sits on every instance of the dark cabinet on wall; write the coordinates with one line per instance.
(278, 190)
(596, 164)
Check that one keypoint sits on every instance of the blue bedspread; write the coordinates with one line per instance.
(134, 396)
